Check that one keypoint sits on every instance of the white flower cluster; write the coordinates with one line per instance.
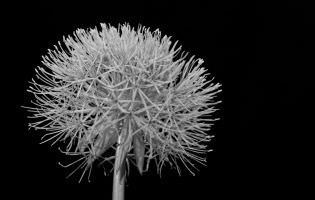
(99, 85)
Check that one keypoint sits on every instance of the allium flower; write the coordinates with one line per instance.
(125, 90)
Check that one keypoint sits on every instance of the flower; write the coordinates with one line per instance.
(96, 84)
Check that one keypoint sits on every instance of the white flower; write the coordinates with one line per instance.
(98, 84)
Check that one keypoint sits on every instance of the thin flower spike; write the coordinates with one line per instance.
(125, 90)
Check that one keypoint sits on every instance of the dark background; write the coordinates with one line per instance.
(261, 54)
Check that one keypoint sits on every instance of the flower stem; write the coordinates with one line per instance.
(119, 171)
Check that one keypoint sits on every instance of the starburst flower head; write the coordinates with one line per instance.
(128, 88)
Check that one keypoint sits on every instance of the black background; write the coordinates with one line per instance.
(261, 54)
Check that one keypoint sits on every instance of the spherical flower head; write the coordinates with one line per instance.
(99, 85)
